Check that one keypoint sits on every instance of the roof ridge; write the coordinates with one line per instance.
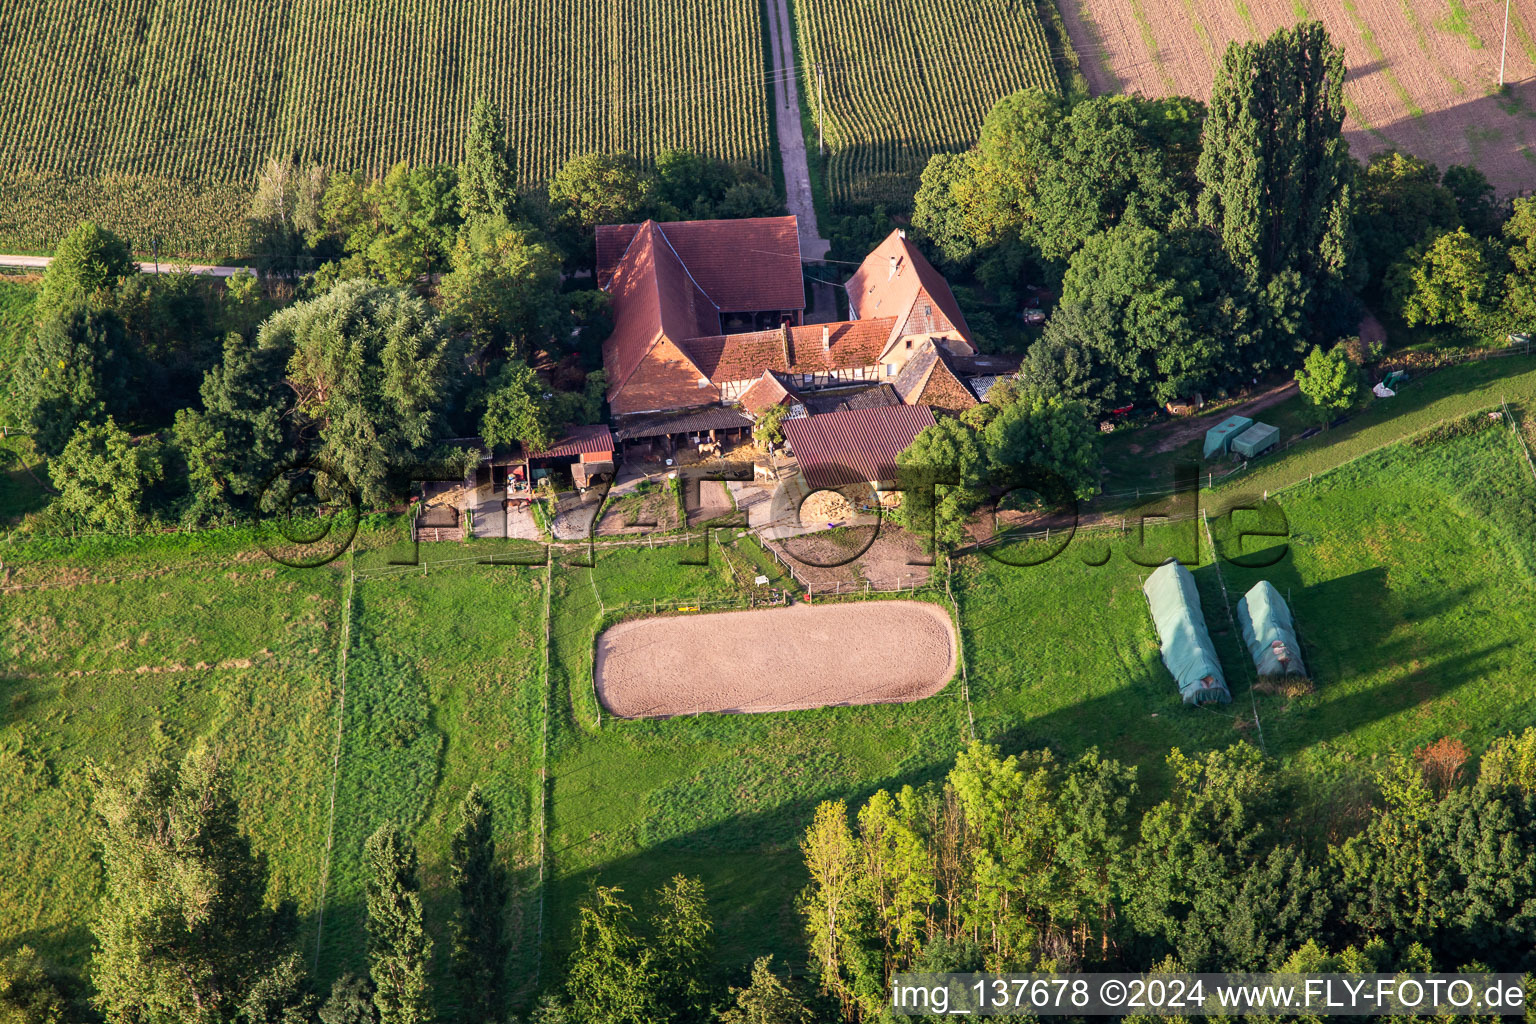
(682, 263)
(623, 255)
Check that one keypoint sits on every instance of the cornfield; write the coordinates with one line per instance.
(153, 116)
(904, 79)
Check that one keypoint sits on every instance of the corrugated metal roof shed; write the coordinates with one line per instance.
(856, 445)
(579, 441)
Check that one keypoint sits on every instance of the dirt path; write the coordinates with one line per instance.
(1173, 436)
(776, 659)
(786, 108)
(166, 267)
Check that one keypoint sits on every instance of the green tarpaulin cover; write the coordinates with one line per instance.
(1187, 648)
(1269, 632)
(1256, 440)
(1218, 440)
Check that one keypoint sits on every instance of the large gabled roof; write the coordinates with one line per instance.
(929, 378)
(746, 265)
(889, 281)
(855, 446)
(655, 302)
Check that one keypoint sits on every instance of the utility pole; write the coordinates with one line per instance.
(154, 247)
(821, 148)
(1504, 46)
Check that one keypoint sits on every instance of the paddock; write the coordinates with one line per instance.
(776, 659)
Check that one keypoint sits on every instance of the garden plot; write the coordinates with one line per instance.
(780, 659)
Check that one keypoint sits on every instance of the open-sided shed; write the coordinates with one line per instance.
(1186, 643)
(1218, 440)
(1256, 440)
(1269, 632)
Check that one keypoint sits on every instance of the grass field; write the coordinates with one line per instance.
(153, 116)
(1409, 567)
(903, 79)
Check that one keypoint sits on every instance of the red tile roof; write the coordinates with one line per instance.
(580, 440)
(655, 304)
(768, 391)
(854, 446)
(729, 357)
(745, 265)
(881, 288)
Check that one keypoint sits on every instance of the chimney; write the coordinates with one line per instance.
(788, 338)
(826, 338)
(895, 262)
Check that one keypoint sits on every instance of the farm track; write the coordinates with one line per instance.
(1422, 76)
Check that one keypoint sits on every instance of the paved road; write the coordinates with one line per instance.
(797, 173)
(41, 262)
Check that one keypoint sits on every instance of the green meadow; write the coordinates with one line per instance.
(1409, 567)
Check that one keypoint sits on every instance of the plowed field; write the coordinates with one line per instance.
(1422, 74)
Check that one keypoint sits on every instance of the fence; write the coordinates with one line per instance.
(1519, 433)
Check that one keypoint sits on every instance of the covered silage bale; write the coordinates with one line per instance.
(1269, 632)
(1187, 648)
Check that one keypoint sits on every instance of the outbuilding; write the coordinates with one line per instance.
(1218, 440)
(1269, 632)
(1187, 650)
(1256, 440)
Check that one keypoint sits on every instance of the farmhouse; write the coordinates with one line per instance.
(708, 330)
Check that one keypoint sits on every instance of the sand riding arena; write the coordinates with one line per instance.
(776, 659)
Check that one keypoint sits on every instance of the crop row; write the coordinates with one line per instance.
(196, 94)
(903, 79)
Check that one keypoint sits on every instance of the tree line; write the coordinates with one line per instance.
(185, 932)
(1198, 247)
(1027, 862)
(437, 302)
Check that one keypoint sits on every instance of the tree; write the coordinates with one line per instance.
(1065, 360)
(486, 185)
(182, 933)
(1115, 159)
(504, 291)
(1449, 280)
(768, 428)
(479, 931)
(418, 217)
(287, 211)
(1510, 762)
(599, 188)
(684, 938)
(1400, 203)
(28, 993)
(1160, 311)
(942, 477)
(399, 951)
(371, 369)
(280, 996)
(1328, 381)
(1474, 199)
(692, 186)
(1274, 168)
(72, 370)
(350, 1002)
(87, 266)
(831, 902)
(517, 410)
(767, 1000)
(234, 444)
(1042, 433)
(612, 976)
(104, 477)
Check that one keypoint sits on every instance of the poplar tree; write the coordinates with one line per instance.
(479, 933)
(1274, 168)
(398, 947)
(486, 185)
(684, 938)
